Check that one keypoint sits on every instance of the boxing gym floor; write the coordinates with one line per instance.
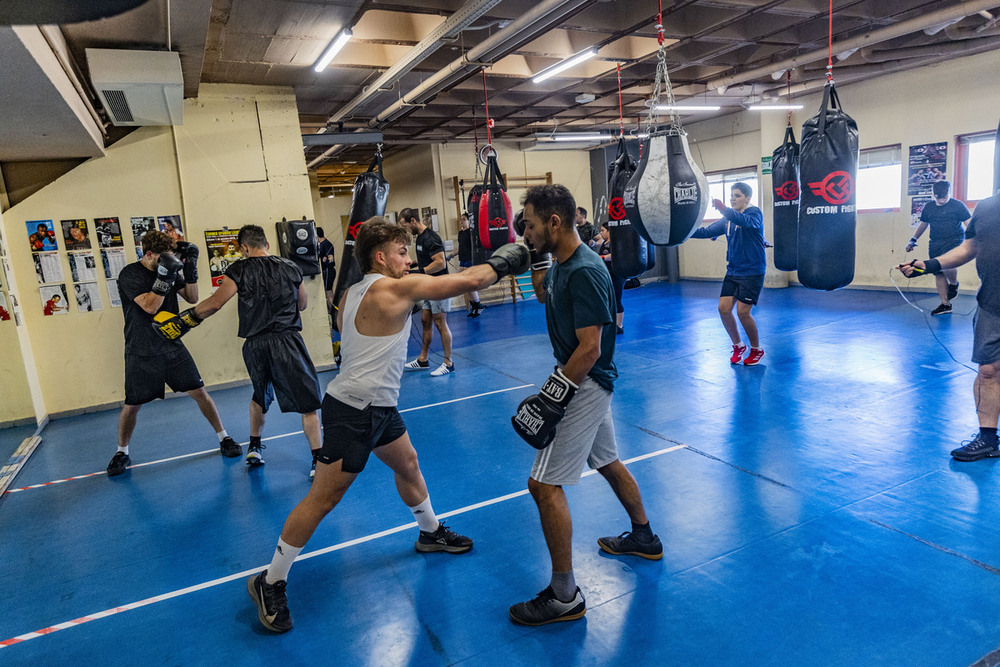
(808, 508)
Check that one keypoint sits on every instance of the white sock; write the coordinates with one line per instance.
(425, 516)
(756, 348)
(284, 555)
(222, 435)
(740, 344)
(123, 450)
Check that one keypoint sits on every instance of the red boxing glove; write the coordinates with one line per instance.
(718, 205)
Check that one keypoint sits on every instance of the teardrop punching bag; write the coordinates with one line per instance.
(785, 180)
(371, 192)
(828, 170)
(667, 196)
(495, 211)
(628, 249)
(479, 254)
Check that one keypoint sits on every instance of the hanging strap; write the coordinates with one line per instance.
(824, 107)
(790, 137)
(662, 82)
(377, 160)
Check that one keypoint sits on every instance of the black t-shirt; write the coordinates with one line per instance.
(465, 245)
(268, 292)
(429, 244)
(140, 338)
(985, 228)
(945, 221)
(326, 250)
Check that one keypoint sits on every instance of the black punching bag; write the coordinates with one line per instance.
(479, 253)
(785, 179)
(496, 214)
(297, 242)
(371, 192)
(828, 170)
(628, 250)
(667, 197)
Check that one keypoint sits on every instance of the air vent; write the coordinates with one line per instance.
(138, 87)
(118, 106)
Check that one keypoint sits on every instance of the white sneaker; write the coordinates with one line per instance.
(417, 365)
(443, 369)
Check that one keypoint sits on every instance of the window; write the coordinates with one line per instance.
(974, 166)
(721, 182)
(880, 178)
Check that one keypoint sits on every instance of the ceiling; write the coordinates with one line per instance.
(407, 73)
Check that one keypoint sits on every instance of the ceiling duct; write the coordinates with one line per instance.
(138, 87)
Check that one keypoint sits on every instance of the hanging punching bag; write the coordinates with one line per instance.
(667, 196)
(479, 254)
(495, 212)
(996, 162)
(785, 179)
(371, 192)
(628, 250)
(828, 170)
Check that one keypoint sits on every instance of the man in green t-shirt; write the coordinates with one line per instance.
(569, 420)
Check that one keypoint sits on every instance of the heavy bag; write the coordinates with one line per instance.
(629, 251)
(828, 170)
(493, 221)
(785, 180)
(297, 242)
(996, 162)
(479, 253)
(371, 192)
(667, 196)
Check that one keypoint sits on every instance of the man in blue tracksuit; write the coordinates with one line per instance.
(743, 226)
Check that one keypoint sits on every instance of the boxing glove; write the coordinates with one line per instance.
(167, 269)
(510, 259)
(188, 254)
(172, 327)
(538, 415)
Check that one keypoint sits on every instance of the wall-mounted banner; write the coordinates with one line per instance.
(917, 207)
(41, 235)
(223, 250)
(109, 232)
(54, 300)
(75, 234)
(927, 165)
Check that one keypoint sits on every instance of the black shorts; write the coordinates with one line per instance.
(279, 364)
(146, 375)
(329, 277)
(744, 288)
(350, 434)
(938, 247)
(986, 338)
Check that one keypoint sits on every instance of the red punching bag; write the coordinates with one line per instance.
(493, 222)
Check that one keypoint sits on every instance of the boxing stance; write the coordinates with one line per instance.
(359, 408)
(149, 288)
(270, 297)
(746, 263)
(982, 243)
(569, 420)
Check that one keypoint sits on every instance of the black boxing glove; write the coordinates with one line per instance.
(168, 268)
(510, 259)
(188, 254)
(538, 415)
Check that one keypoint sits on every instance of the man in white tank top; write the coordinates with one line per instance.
(359, 408)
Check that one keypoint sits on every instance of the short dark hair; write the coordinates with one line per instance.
(408, 214)
(744, 188)
(155, 241)
(941, 188)
(551, 199)
(582, 211)
(252, 236)
(319, 231)
(373, 235)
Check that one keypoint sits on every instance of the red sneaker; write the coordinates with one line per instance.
(738, 351)
(754, 357)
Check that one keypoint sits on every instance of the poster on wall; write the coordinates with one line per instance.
(88, 297)
(114, 296)
(4, 312)
(114, 261)
(41, 235)
(82, 266)
(75, 234)
(48, 268)
(109, 232)
(223, 250)
(171, 226)
(140, 226)
(917, 207)
(53, 300)
(927, 165)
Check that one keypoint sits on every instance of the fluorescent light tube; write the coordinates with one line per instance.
(333, 49)
(565, 65)
(682, 108)
(776, 107)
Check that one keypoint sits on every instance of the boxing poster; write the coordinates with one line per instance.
(41, 235)
(927, 165)
(917, 207)
(223, 250)
(109, 233)
(53, 300)
(48, 268)
(82, 266)
(140, 226)
(88, 297)
(171, 226)
(4, 312)
(114, 296)
(75, 234)
(114, 261)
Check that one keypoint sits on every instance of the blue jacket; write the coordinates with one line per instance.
(745, 240)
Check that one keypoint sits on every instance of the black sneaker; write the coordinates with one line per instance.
(973, 450)
(943, 309)
(442, 539)
(119, 462)
(547, 608)
(952, 291)
(620, 331)
(272, 605)
(230, 448)
(254, 458)
(627, 544)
